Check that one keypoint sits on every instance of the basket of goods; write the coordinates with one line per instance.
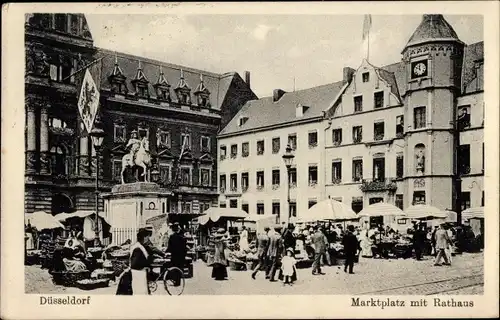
(237, 265)
(119, 266)
(90, 284)
(120, 254)
(96, 252)
(68, 278)
(103, 274)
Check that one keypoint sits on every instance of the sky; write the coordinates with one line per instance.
(278, 50)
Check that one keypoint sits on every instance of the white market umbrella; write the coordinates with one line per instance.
(328, 209)
(381, 209)
(422, 211)
(214, 214)
(43, 220)
(476, 212)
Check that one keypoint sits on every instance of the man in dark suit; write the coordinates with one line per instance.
(419, 237)
(262, 247)
(319, 241)
(177, 247)
(274, 252)
(288, 238)
(351, 247)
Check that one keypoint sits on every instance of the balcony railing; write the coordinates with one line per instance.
(387, 184)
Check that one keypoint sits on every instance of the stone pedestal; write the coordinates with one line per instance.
(129, 206)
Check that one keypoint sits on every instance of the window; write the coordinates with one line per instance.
(292, 209)
(205, 144)
(164, 173)
(336, 172)
(57, 123)
(378, 99)
(59, 165)
(186, 176)
(399, 201)
(378, 169)
(378, 131)
(186, 140)
(358, 104)
(311, 203)
(183, 98)
(244, 207)
(223, 152)
(482, 199)
(245, 149)
(313, 139)
(205, 177)
(313, 175)
(419, 117)
(399, 166)
(276, 208)
(186, 207)
(142, 91)
(482, 163)
(142, 132)
(292, 141)
(242, 121)
(222, 182)
(357, 134)
(464, 159)
(293, 177)
(202, 101)
(233, 181)
(400, 124)
(418, 197)
(163, 138)
(260, 208)
(357, 170)
(366, 76)
(117, 170)
(233, 203)
(244, 181)
(74, 24)
(276, 178)
(260, 180)
(463, 120)
(337, 137)
(260, 147)
(61, 23)
(222, 204)
(163, 94)
(276, 145)
(234, 151)
(357, 204)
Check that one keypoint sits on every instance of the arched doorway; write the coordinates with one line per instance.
(62, 203)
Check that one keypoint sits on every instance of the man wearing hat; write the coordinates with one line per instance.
(318, 239)
(262, 246)
(274, 252)
(351, 247)
(177, 246)
(442, 243)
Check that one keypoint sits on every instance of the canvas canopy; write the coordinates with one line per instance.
(328, 209)
(42, 220)
(422, 211)
(476, 212)
(381, 209)
(214, 214)
(79, 214)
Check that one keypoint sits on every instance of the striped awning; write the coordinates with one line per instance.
(476, 212)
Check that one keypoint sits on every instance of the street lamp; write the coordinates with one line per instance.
(288, 159)
(97, 135)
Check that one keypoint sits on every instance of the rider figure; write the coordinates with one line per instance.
(134, 143)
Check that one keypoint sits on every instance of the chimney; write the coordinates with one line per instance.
(247, 77)
(347, 74)
(277, 94)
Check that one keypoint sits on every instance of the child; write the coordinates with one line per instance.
(288, 267)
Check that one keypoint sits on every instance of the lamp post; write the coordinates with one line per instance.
(288, 159)
(97, 135)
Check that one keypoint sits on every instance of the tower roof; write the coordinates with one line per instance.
(432, 28)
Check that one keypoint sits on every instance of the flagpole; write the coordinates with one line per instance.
(83, 68)
(368, 51)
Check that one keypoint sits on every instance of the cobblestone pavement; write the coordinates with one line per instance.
(372, 276)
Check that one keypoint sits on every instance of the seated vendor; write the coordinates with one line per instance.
(70, 263)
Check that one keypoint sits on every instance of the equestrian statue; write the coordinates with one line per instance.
(137, 157)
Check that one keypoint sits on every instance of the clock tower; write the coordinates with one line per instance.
(433, 60)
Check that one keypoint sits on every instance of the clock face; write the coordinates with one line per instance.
(419, 69)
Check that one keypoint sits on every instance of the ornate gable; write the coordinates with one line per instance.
(202, 94)
(167, 154)
(162, 87)
(183, 90)
(206, 158)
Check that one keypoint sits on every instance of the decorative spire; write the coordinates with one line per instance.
(182, 83)
(161, 79)
(201, 87)
(117, 71)
(140, 76)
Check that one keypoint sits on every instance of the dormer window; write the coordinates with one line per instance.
(163, 94)
(117, 79)
(366, 77)
(242, 121)
(183, 91)
(142, 92)
(202, 94)
(162, 87)
(140, 83)
(300, 110)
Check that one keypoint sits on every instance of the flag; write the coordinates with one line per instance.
(88, 84)
(367, 25)
(183, 148)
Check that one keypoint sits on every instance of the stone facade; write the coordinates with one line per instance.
(163, 101)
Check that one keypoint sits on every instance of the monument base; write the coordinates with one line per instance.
(128, 206)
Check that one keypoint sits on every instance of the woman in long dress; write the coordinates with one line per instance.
(133, 281)
(366, 244)
(219, 264)
(244, 239)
